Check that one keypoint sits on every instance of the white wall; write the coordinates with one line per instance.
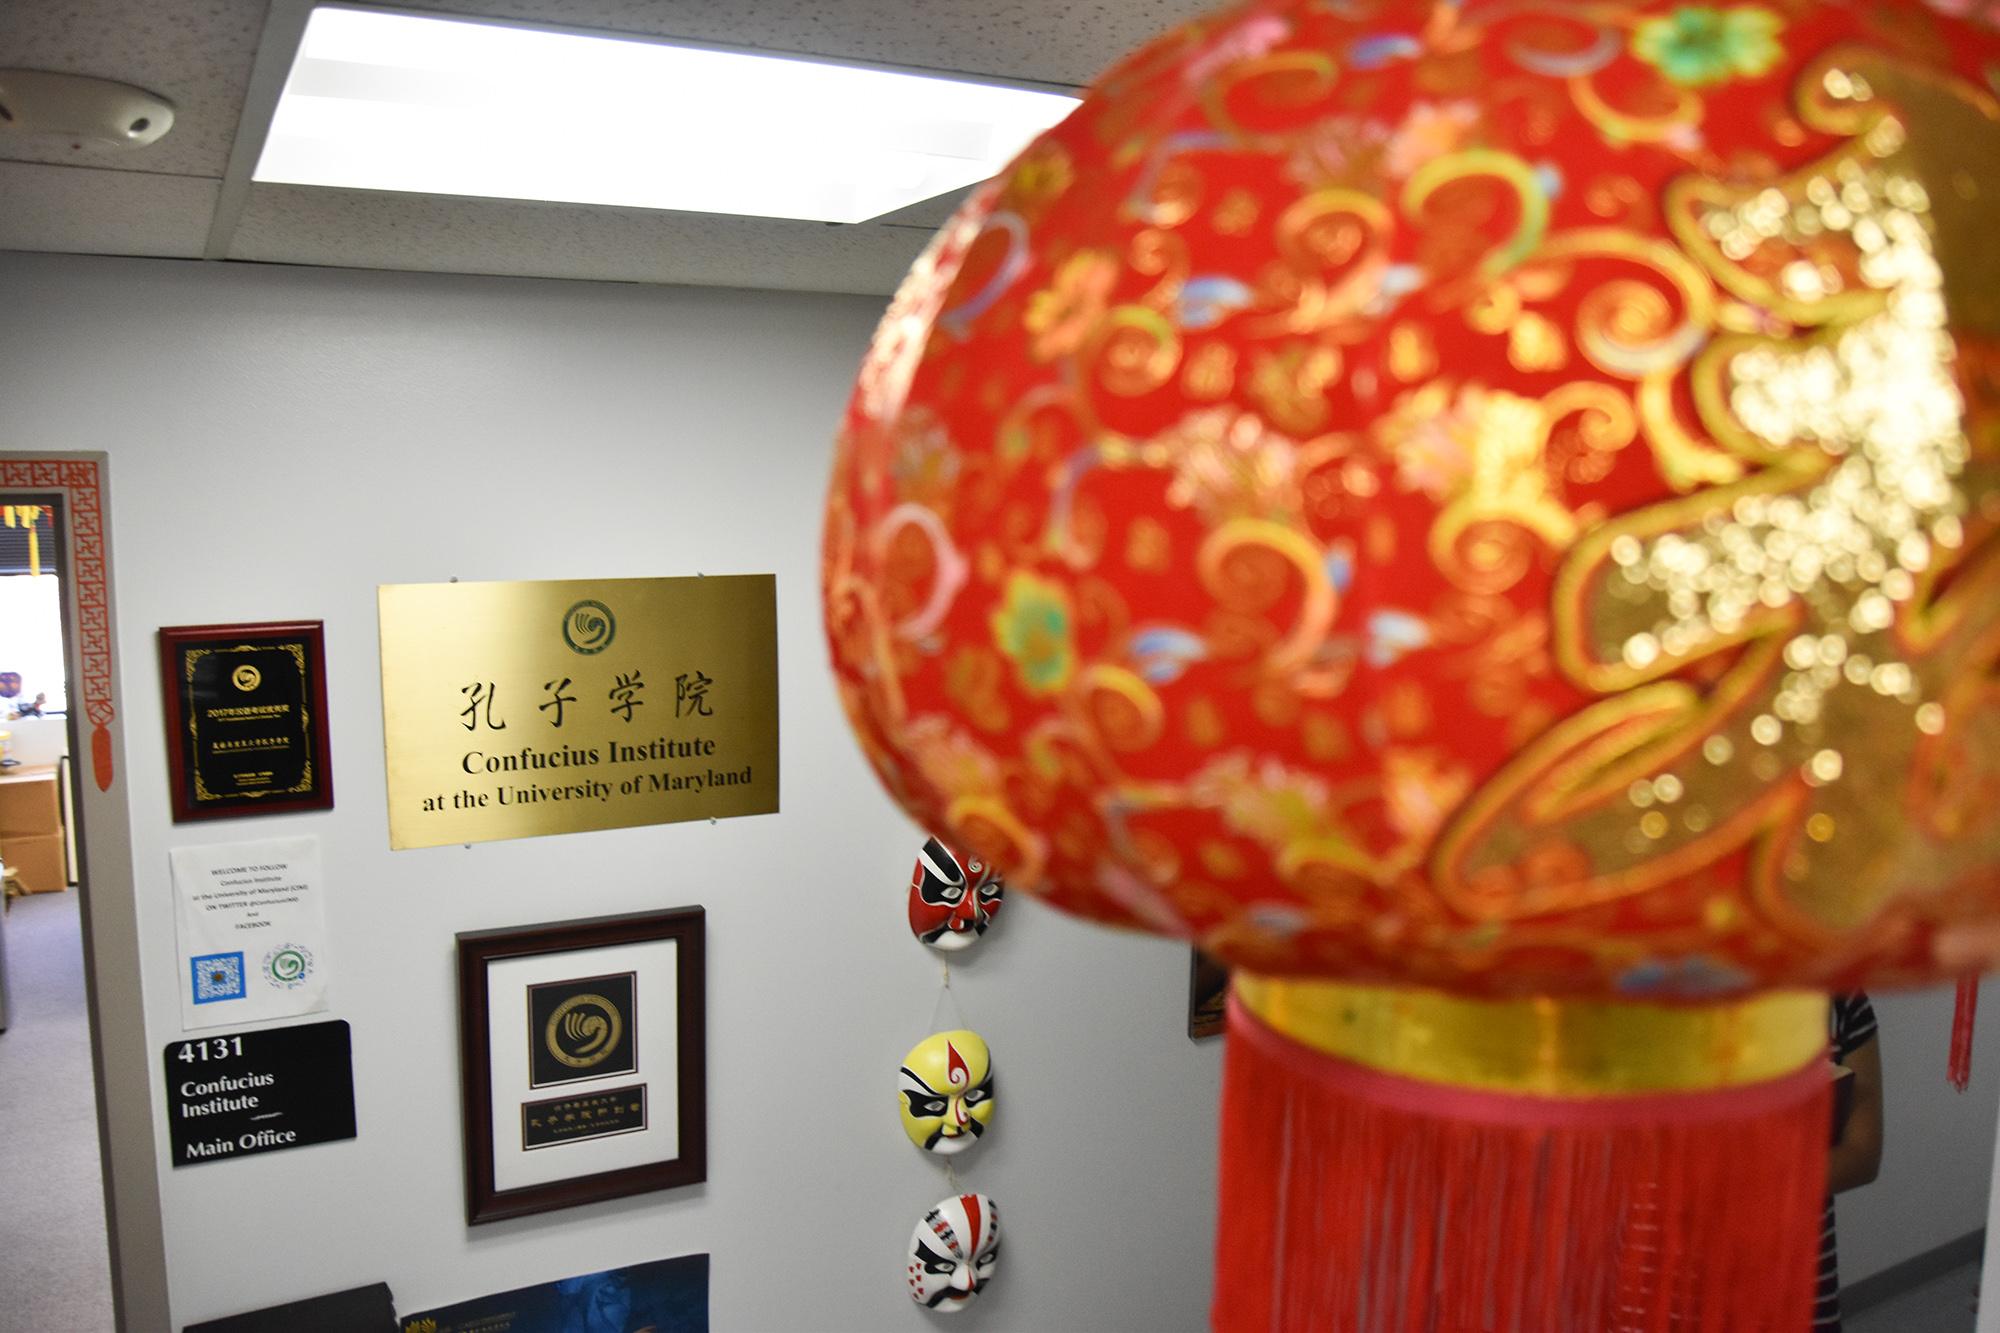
(1937, 1150)
(281, 441)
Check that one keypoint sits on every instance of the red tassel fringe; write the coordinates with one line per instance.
(1357, 1202)
(1963, 1012)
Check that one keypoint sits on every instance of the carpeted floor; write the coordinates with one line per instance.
(54, 1270)
(1947, 1304)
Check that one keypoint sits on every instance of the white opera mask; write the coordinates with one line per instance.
(954, 1252)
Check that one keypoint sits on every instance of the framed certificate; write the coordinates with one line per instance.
(583, 1055)
(246, 719)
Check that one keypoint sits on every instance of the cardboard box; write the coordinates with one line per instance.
(38, 859)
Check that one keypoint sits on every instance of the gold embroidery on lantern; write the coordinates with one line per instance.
(1325, 738)
(1507, 481)
(1334, 247)
(1673, 123)
(1221, 860)
(1227, 464)
(1536, 344)
(1494, 312)
(1119, 708)
(1821, 564)
(1133, 351)
(1247, 564)
(1619, 199)
(1293, 814)
(1176, 195)
(1455, 169)
(1042, 176)
(1147, 546)
(1062, 314)
(1289, 79)
(1163, 255)
(1210, 373)
(1203, 723)
(1290, 384)
(1236, 214)
(1412, 354)
(972, 681)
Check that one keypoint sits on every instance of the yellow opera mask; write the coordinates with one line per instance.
(946, 1088)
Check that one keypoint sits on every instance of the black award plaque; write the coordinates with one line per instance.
(246, 719)
(589, 1115)
(581, 1029)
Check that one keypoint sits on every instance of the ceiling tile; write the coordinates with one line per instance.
(1049, 41)
(80, 210)
(197, 56)
(296, 224)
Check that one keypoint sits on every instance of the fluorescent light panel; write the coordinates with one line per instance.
(384, 101)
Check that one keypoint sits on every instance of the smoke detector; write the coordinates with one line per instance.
(80, 110)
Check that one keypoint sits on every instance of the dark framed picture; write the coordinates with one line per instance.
(1208, 996)
(583, 1056)
(246, 719)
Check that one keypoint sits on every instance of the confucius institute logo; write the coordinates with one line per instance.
(246, 678)
(588, 627)
(583, 1030)
(288, 965)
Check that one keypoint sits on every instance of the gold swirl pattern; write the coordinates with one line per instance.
(1134, 352)
(1530, 199)
(1286, 83)
(1334, 231)
(1245, 564)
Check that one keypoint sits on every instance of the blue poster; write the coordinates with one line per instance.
(665, 1296)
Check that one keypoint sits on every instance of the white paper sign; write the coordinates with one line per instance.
(252, 931)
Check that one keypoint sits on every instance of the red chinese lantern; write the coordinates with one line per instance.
(1482, 516)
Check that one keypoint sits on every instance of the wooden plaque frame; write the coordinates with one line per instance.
(477, 950)
(190, 802)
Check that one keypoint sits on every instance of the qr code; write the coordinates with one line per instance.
(218, 976)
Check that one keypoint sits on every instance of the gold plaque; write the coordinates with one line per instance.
(510, 710)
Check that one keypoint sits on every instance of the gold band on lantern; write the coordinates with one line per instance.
(1543, 1046)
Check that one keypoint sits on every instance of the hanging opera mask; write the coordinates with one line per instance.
(946, 1085)
(954, 1252)
(952, 900)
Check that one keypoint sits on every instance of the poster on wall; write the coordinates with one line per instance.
(583, 1060)
(251, 920)
(368, 1309)
(512, 710)
(246, 719)
(664, 1296)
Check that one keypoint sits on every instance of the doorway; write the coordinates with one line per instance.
(54, 1244)
(80, 1238)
